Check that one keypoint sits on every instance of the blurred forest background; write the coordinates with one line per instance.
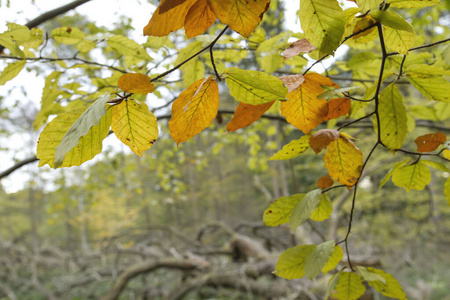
(186, 222)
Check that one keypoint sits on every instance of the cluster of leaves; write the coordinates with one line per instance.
(305, 100)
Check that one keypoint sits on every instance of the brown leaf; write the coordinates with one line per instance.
(135, 83)
(292, 82)
(246, 114)
(325, 182)
(198, 19)
(297, 47)
(322, 138)
(430, 142)
(338, 107)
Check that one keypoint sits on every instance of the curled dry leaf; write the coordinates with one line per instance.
(136, 83)
(430, 142)
(325, 182)
(322, 138)
(297, 47)
(292, 82)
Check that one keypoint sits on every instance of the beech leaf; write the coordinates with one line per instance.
(430, 142)
(136, 83)
(246, 114)
(322, 138)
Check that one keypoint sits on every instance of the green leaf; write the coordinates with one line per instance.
(413, 3)
(365, 5)
(392, 20)
(280, 210)
(88, 145)
(324, 210)
(331, 285)
(317, 259)
(11, 71)
(389, 289)
(193, 71)
(349, 287)
(18, 33)
(127, 47)
(412, 177)
(389, 173)
(67, 35)
(80, 128)
(393, 118)
(291, 263)
(429, 81)
(254, 87)
(447, 190)
(334, 260)
(323, 23)
(368, 275)
(333, 93)
(293, 149)
(49, 94)
(435, 165)
(302, 211)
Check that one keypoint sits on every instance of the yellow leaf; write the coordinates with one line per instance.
(291, 263)
(325, 208)
(446, 153)
(349, 287)
(304, 110)
(194, 110)
(280, 210)
(335, 258)
(344, 161)
(135, 125)
(168, 17)
(136, 83)
(246, 114)
(242, 16)
(292, 149)
(198, 19)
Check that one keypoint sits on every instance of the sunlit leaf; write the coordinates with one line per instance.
(362, 24)
(246, 114)
(292, 149)
(127, 47)
(323, 23)
(413, 3)
(322, 138)
(81, 127)
(429, 81)
(280, 210)
(240, 15)
(389, 289)
(303, 209)
(291, 263)
(135, 125)
(349, 287)
(412, 177)
(194, 110)
(254, 87)
(67, 35)
(317, 259)
(168, 17)
(365, 5)
(198, 19)
(11, 71)
(344, 161)
(430, 142)
(136, 83)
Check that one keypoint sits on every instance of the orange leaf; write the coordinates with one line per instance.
(304, 110)
(325, 182)
(243, 16)
(168, 17)
(338, 107)
(246, 114)
(322, 138)
(365, 22)
(344, 161)
(292, 82)
(430, 142)
(194, 110)
(297, 47)
(136, 83)
(198, 19)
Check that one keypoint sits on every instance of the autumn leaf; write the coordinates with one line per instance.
(292, 82)
(297, 47)
(304, 110)
(430, 142)
(325, 182)
(362, 24)
(136, 83)
(242, 16)
(198, 19)
(344, 161)
(168, 17)
(135, 125)
(194, 110)
(246, 114)
(338, 107)
(322, 138)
